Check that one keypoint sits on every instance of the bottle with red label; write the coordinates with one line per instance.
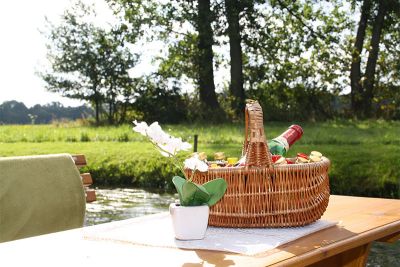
(281, 144)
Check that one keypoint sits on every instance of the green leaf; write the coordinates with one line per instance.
(216, 188)
(178, 182)
(194, 194)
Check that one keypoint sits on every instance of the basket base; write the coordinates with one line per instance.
(290, 219)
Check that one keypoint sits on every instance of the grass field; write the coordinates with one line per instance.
(365, 155)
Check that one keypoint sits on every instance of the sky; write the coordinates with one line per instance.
(23, 50)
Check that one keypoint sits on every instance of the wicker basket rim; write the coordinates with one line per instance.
(297, 166)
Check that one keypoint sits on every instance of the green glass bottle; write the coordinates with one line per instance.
(281, 144)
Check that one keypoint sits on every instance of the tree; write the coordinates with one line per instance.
(355, 72)
(232, 10)
(115, 60)
(386, 90)
(87, 62)
(295, 54)
(362, 86)
(205, 59)
(72, 53)
(158, 101)
(185, 27)
(47, 113)
(373, 57)
(14, 112)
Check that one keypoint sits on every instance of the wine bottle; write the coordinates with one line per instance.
(281, 144)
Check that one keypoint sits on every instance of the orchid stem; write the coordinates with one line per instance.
(173, 157)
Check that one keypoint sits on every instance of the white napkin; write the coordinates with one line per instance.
(156, 230)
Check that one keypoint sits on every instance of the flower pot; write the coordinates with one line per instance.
(189, 222)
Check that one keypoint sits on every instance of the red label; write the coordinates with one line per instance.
(292, 134)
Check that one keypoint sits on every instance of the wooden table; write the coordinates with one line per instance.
(361, 221)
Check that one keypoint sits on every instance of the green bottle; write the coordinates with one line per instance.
(281, 144)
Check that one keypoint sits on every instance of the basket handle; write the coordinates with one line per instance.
(255, 147)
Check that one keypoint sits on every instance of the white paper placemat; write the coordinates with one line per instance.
(156, 230)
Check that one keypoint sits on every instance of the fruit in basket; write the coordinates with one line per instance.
(315, 156)
(315, 159)
(281, 161)
(275, 158)
(232, 161)
(219, 156)
(200, 155)
(289, 161)
(302, 158)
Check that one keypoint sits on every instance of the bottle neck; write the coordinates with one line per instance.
(291, 135)
(282, 141)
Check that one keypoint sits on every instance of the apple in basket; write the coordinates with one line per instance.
(190, 216)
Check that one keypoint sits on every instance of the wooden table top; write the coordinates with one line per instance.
(361, 220)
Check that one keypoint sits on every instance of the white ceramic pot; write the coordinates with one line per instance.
(189, 222)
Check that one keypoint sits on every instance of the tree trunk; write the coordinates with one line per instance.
(123, 111)
(97, 108)
(355, 72)
(111, 105)
(236, 87)
(97, 100)
(205, 60)
(373, 57)
(110, 113)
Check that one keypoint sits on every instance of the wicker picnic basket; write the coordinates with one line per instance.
(261, 194)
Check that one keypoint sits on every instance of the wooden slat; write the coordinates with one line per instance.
(86, 179)
(80, 160)
(90, 195)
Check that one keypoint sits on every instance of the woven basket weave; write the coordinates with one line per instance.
(261, 194)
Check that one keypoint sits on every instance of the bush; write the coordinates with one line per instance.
(155, 173)
(85, 137)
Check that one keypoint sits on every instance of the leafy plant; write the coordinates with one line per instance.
(190, 193)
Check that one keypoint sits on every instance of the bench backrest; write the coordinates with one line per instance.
(80, 161)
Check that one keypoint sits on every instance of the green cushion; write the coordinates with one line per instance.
(39, 195)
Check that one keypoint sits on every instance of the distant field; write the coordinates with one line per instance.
(365, 155)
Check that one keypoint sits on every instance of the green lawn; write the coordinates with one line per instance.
(365, 155)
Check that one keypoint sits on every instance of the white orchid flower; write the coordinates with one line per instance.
(194, 163)
(156, 134)
(141, 127)
(168, 149)
(174, 145)
(167, 144)
(185, 146)
(178, 144)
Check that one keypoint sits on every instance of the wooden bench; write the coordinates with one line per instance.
(80, 161)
